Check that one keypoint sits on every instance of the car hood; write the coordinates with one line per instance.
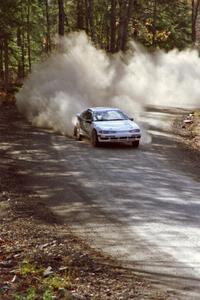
(121, 125)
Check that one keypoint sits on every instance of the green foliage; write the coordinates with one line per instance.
(8, 16)
(172, 23)
(31, 295)
(28, 268)
(57, 282)
(48, 285)
(48, 295)
(24, 24)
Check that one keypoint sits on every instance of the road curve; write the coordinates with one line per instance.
(140, 205)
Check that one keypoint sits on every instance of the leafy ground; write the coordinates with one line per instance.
(41, 259)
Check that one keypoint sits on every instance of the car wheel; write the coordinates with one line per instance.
(136, 144)
(94, 139)
(77, 133)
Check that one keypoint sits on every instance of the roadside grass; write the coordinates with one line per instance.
(39, 286)
(26, 268)
(32, 294)
(56, 282)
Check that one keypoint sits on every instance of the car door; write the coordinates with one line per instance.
(85, 120)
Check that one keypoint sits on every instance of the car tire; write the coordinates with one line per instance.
(77, 133)
(94, 139)
(135, 144)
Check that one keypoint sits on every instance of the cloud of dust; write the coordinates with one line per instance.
(81, 76)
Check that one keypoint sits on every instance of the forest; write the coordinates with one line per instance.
(28, 28)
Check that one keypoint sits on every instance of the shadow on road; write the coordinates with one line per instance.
(141, 204)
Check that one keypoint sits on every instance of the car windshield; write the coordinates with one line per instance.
(109, 115)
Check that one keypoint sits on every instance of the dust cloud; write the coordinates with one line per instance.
(80, 76)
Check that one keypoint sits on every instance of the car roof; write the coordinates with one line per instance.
(103, 108)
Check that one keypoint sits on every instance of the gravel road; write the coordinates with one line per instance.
(140, 205)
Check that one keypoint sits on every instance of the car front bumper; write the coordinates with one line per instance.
(118, 138)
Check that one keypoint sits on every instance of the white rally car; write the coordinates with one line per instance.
(105, 124)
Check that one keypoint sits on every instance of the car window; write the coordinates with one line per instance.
(109, 115)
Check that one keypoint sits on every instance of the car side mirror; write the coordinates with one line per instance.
(131, 119)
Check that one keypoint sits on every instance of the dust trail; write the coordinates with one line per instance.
(81, 76)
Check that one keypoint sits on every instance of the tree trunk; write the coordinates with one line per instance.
(196, 22)
(1, 61)
(48, 35)
(122, 16)
(21, 60)
(126, 8)
(113, 27)
(19, 42)
(28, 36)
(90, 18)
(126, 23)
(6, 63)
(23, 54)
(21, 45)
(86, 17)
(61, 18)
(154, 23)
(80, 15)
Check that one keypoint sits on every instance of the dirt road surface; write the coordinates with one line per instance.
(140, 205)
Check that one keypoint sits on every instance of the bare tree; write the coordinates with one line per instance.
(80, 14)
(61, 18)
(126, 9)
(1, 59)
(154, 22)
(89, 6)
(6, 62)
(196, 22)
(21, 46)
(28, 35)
(48, 35)
(113, 26)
